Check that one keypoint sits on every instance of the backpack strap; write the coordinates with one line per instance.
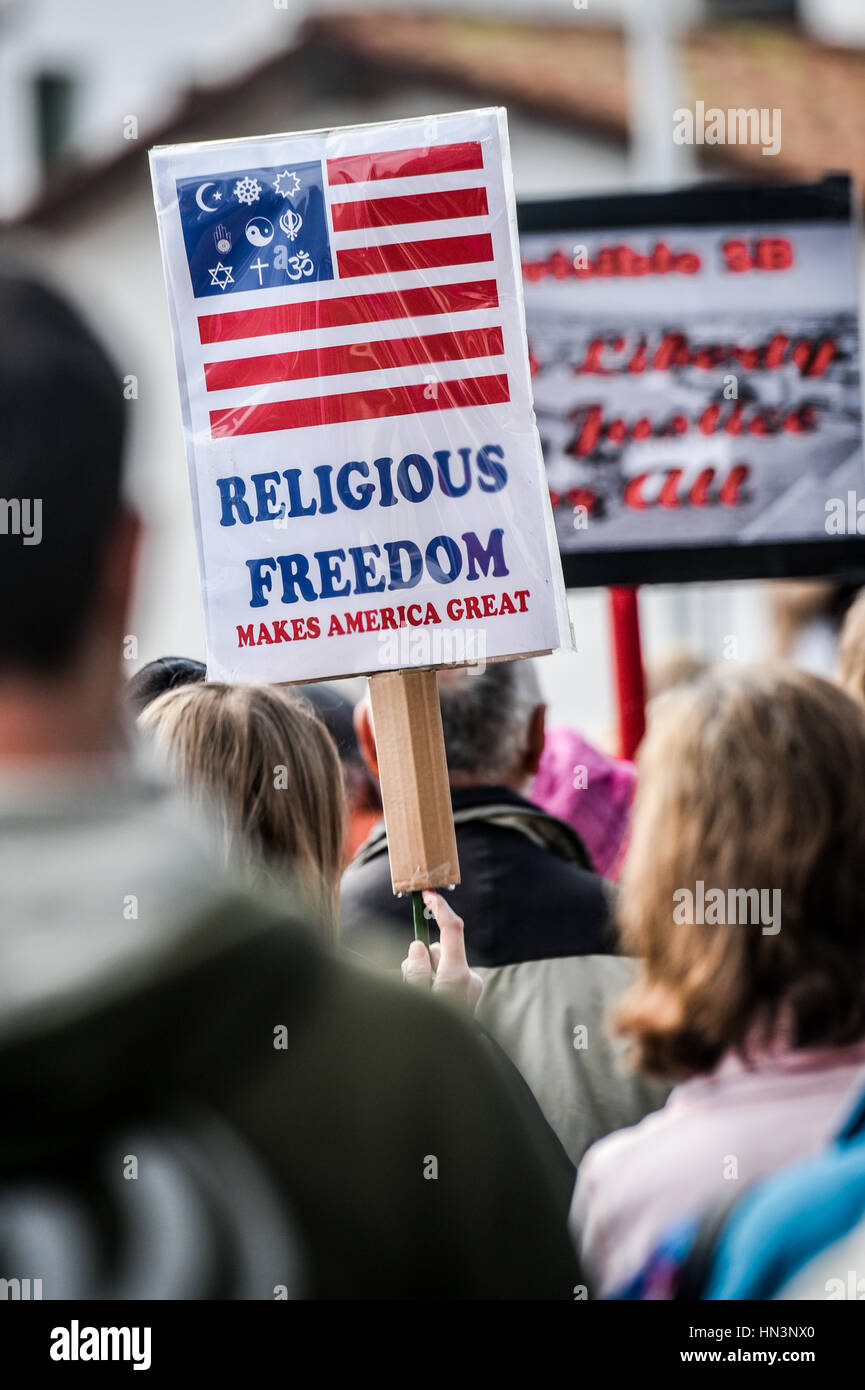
(854, 1125)
(533, 822)
(697, 1266)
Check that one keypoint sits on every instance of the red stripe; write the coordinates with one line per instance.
(348, 309)
(353, 357)
(359, 405)
(404, 164)
(415, 255)
(415, 207)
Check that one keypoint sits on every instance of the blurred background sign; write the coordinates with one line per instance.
(697, 380)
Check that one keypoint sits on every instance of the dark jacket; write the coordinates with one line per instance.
(527, 890)
(538, 930)
(137, 975)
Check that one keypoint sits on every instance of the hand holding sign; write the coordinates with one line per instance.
(444, 968)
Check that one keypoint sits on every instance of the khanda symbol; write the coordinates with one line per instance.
(291, 223)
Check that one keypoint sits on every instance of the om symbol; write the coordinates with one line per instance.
(299, 265)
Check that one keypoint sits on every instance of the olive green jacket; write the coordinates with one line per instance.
(135, 973)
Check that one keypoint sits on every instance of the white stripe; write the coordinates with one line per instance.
(242, 301)
(418, 279)
(396, 188)
(410, 231)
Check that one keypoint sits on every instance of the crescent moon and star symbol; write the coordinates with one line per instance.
(199, 197)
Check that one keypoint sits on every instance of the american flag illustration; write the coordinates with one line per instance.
(413, 304)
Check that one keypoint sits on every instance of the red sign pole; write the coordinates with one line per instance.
(628, 668)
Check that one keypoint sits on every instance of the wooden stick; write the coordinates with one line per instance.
(414, 780)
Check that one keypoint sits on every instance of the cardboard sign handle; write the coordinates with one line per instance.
(413, 774)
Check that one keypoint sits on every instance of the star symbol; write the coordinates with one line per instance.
(290, 182)
(220, 275)
(216, 197)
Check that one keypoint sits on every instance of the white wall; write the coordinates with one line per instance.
(835, 21)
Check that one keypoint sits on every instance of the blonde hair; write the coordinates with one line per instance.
(267, 768)
(851, 656)
(751, 779)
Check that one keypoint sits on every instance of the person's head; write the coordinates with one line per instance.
(66, 541)
(363, 799)
(165, 673)
(749, 780)
(266, 767)
(675, 666)
(851, 655)
(493, 722)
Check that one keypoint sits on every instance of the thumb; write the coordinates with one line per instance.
(417, 967)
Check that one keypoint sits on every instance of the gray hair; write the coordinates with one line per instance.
(485, 716)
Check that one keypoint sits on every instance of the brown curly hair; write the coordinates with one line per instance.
(753, 778)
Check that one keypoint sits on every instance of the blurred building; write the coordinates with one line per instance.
(71, 74)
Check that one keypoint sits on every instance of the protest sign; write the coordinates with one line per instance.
(367, 482)
(696, 372)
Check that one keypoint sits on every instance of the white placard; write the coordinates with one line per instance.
(366, 475)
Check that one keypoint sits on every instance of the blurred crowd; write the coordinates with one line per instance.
(615, 1074)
